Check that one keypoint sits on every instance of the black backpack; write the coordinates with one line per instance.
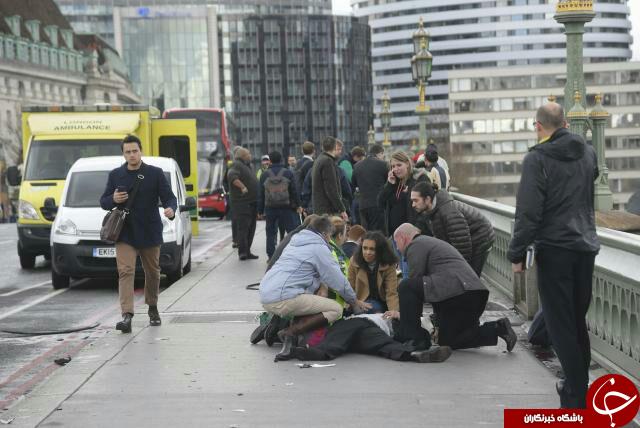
(276, 190)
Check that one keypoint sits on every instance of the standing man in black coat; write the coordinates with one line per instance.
(439, 275)
(554, 211)
(244, 200)
(305, 164)
(325, 182)
(369, 176)
(142, 231)
(459, 224)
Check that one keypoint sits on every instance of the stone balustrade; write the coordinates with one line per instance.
(614, 314)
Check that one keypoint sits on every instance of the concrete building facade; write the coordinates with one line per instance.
(43, 62)
(473, 34)
(491, 124)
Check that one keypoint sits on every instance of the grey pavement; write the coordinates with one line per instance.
(198, 369)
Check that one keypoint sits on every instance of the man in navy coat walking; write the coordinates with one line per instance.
(142, 231)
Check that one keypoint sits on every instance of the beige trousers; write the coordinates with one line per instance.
(126, 261)
(306, 304)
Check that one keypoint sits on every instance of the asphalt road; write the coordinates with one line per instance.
(28, 303)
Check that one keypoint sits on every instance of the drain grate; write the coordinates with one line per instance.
(210, 318)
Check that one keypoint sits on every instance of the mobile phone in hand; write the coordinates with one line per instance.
(121, 188)
(531, 256)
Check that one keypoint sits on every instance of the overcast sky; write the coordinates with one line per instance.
(342, 7)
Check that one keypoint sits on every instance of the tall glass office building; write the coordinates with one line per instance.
(286, 70)
(473, 34)
(96, 16)
(283, 78)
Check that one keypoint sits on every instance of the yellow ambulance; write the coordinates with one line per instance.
(54, 137)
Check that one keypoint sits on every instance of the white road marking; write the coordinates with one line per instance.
(11, 293)
(35, 302)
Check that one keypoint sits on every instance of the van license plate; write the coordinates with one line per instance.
(104, 252)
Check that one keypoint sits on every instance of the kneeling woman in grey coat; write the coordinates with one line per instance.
(288, 288)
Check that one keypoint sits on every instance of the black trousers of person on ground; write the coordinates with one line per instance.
(458, 318)
(244, 216)
(565, 282)
(372, 218)
(362, 336)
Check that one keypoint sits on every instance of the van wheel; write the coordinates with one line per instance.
(27, 261)
(176, 274)
(187, 268)
(59, 281)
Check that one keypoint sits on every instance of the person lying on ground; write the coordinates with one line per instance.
(365, 334)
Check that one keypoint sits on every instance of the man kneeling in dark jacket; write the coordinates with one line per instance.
(438, 274)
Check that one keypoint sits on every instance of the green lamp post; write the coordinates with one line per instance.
(574, 14)
(603, 199)
(421, 72)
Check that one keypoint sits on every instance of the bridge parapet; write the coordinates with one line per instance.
(614, 314)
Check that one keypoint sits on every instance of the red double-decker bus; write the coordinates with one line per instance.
(215, 141)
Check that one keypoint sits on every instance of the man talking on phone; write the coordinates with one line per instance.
(554, 211)
(142, 231)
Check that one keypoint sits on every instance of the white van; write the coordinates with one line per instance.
(76, 248)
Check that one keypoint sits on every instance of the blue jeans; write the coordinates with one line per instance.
(274, 217)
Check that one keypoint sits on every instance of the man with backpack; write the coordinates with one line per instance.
(279, 201)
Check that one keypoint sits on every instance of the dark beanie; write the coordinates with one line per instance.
(431, 153)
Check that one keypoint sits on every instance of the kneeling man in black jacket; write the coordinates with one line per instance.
(438, 274)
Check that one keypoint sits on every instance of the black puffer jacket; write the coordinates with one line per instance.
(554, 205)
(461, 225)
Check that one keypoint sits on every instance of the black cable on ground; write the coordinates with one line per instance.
(44, 333)
(253, 286)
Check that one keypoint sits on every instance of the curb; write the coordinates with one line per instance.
(50, 395)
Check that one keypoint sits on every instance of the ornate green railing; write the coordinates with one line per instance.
(614, 314)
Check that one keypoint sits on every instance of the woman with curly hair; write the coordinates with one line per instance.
(372, 274)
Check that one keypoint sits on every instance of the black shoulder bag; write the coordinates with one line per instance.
(113, 221)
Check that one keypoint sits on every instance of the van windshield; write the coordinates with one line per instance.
(51, 159)
(85, 189)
